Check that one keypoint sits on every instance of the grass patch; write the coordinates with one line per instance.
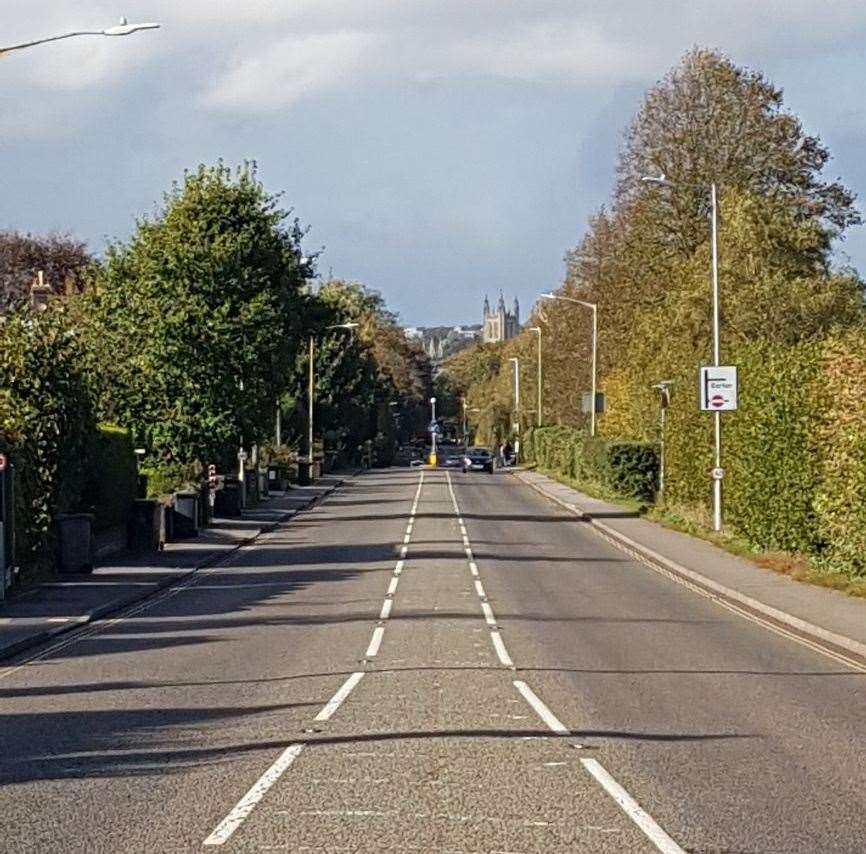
(797, 566)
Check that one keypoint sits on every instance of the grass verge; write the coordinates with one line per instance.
(797, 566)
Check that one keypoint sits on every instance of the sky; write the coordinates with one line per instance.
(437, 150)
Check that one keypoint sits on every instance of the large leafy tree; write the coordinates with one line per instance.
(195, 320)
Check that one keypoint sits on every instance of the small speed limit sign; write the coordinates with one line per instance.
(2, 462)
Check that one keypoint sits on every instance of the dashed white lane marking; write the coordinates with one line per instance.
(632, 808)
(247, 803)
(628, 804)
(388, 604)
(501, 651)
(538, 705)
(375, 642)
(489, 617)
(337, 700)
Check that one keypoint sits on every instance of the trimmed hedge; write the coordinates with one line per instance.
(112, 485)
(628, 468)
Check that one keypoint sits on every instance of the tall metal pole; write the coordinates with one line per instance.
(717, 416)
(594, 308)
(310, 397)
(433, 460)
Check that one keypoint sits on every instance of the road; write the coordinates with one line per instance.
(431, 662)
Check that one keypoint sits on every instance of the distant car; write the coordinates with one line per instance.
(478, 459)
(454, 459)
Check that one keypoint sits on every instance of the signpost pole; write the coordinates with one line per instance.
(717, 416)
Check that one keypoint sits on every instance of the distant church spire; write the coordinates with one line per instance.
(486, 305)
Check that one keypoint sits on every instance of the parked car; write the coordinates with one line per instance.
(478, 459)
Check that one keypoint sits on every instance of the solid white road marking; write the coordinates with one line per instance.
(479, 589)
(247, 803)
(552, 721)
(489, 618)
(392, 587)
(385, 613)
(375, 642)
(337, 700)
(632, 808)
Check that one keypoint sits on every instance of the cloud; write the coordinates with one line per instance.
(265, 55)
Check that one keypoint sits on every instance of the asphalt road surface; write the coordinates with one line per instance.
(431, 662)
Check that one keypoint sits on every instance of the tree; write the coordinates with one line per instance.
(195, 322)
(711, 121)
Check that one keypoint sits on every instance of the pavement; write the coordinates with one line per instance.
(427, 661)
(40, 613)
(822, 615)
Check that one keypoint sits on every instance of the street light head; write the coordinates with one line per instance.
(535, 329)
(125, 29)
(549, 296)
(660, 179)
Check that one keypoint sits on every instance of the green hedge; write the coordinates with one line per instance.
(112, 483)
(628, 468)
(164, 479)
(46, 422)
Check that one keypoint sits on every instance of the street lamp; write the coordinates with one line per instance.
(594, 307)
(516, 362)
(537, 329)
(311, 386)
(663, 388)
(121, 29)
(717, 420)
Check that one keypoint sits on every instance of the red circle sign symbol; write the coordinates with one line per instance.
(2, 462)
(717, 400)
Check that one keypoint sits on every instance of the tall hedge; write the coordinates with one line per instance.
(840, 438)
(771, 458)
(46, 420)
(112, 477)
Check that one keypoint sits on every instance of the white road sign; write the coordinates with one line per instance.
(718, 388)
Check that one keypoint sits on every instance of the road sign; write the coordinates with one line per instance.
(718, 388)
(434, 427)
(718, 473)
(2, 462)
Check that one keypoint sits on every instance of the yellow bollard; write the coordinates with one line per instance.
(432, 459)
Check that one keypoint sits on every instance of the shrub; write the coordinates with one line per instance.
(840, 434)
(632, 469)
(46, 421)
(167, 478)
(112, 482)
(628, 468)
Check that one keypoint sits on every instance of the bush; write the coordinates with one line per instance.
(628, 468)
(167, 478)
(840, 435)
(632, 469)
(46, 421)
(112, 483)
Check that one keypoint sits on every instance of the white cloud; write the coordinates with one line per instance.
(263, 55)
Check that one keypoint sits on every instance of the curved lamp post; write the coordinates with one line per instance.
(122, 29)
(717, 416)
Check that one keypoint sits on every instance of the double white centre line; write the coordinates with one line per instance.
(226, 828)
(626, 802)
